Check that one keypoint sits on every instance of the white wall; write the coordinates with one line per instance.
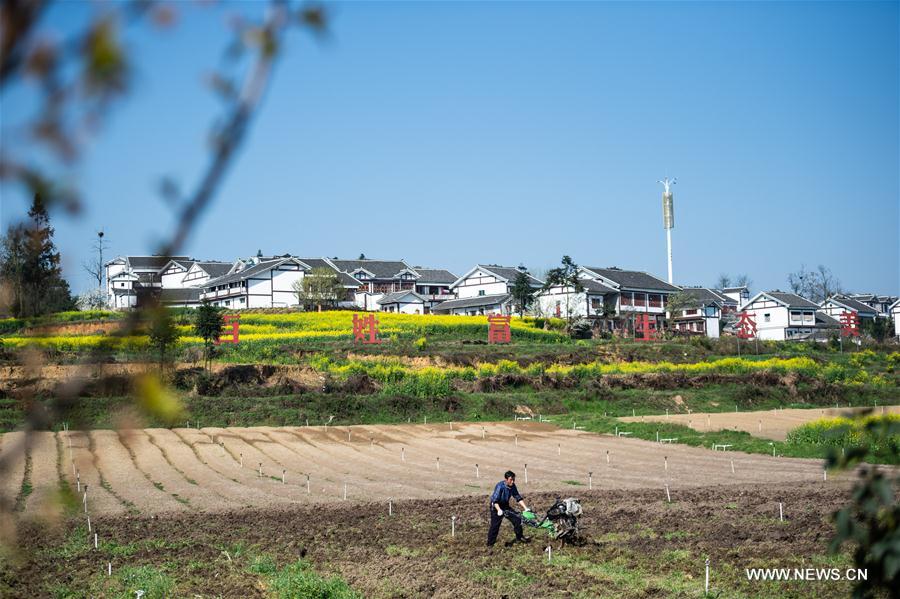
(480, 281)
(574, 303)
(171, 278)
(774, 329)
(405, 307)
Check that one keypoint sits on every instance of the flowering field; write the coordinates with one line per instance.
(268, 328)
(852, 432)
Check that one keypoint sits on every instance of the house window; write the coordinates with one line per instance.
(655, 300)
(480, 292)
(767, 317)
(690, 312)
(243, 300)
(640, 299)
(627, 299)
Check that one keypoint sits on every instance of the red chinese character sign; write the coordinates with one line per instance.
(498, 329)
(644, 327)
(746, 326)
(849, 324)
(365, 329)
(231, 321)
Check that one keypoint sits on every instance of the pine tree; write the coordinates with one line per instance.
(30, 263)
(522, 293)
(208, 326)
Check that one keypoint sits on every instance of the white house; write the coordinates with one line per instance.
(485, 289)
(737, 297)
(263, 282)
(595, 299)
(881, 303)
(376, 278)
(434, 285)
(895, 314)
(405, 302)
(172, 281)
(703, 315)
(637, 292)
(781, 316)
(836, 305)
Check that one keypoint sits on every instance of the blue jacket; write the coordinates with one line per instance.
(502, 493)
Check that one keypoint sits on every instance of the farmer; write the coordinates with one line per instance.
(505, 489)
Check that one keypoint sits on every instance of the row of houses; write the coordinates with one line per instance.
(608, 296)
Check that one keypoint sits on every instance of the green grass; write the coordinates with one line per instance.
(299, 579)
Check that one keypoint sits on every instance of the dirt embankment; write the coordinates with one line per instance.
(246, 379)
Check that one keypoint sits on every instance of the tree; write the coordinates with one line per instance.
(522, 293)
(362, 257)
(878, 328)
(93, 299)
(816, 285)
(31, 263)
(208, 326)
(94, 265)
(163, 333)
(679, 301)
(319, 288)
(724, 280)
(565, 276)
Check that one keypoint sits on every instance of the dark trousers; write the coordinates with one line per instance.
(494, 530)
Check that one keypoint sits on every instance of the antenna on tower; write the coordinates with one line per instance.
(668, 202)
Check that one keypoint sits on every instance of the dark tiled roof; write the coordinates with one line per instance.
(596, 286)
(792, 299)
(215, 269)
(345, 279)
(471, 302)
(853, 304)
(382, 269)
(633, 279)
(733, 289)
(243, 274)
(703, 296)
(391, 298)
(510, 273)
(434, 276)
(721, 293)
(178, 296)
(157, 262)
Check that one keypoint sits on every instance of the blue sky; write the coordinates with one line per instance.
(448, 134)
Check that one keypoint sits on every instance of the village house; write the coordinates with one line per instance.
(611, 296)
(736, 297)
(703, 315)
(171, 281)
(485, 289)
(836, 305)
(782, 316)
(269, 282)
(594, 300)
(880, 303)
(433, 285)
(376, 278)
(637, 292)
(895, 314)
(405, 302)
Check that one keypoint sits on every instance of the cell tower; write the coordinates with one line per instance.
(668, 203)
